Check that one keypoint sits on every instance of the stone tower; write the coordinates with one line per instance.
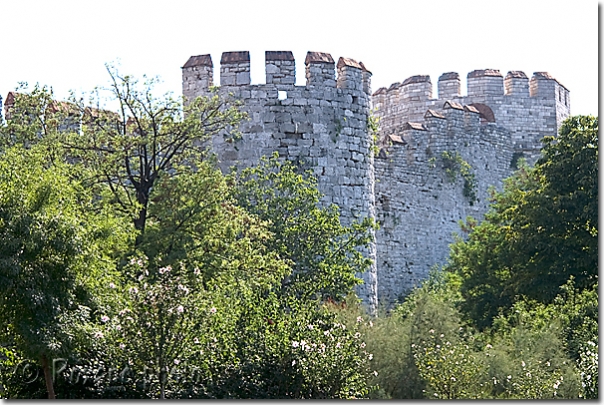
(323, 125)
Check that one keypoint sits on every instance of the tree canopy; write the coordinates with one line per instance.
(541, 230)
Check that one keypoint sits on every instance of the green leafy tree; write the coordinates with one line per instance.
(149, 137)
(540, 231)
(324, 254)
(54, 252)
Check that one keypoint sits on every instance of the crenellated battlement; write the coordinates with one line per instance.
(280, 71)
(480, 83)
(528, 108)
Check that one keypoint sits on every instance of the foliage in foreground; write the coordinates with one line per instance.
(424, 349)
(227, 288)
(541, 230)
(323, 253)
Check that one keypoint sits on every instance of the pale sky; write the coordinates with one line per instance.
(65, 44)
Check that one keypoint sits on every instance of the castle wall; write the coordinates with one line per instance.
(322, 126)
(419, 208)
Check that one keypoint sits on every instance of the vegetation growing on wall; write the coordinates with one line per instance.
(454, 164)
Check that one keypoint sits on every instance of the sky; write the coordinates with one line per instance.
(66, 44)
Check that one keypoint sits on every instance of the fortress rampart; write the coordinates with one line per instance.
(414, 187)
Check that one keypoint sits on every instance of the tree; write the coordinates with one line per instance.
(541, 230)
(55, 251)
(148, 138)
(324, 254)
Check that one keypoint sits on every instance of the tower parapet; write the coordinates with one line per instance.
(516, 83)
(416, 88)
(320, 69)
(235, 68)
(350, 74)
(366, 79)
(449, 85)
(280, 67)
(197, 76)
(485, 82)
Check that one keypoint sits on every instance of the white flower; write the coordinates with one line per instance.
(180, 309)
(293, 363)
(509, 377)
(442, 335)
(295, 344)
(98, 334)
(453, 379)
(176, 361)
(326, 333)
(195, 340)
(357, 335)
(338, 345)
(104, 318)
(111, 285)
(166, 269)
(431, 330)
(363, 345)
(118, 327)
(213, 310)
(523, 364)
(311, 327)
(133, 290)
(359, 319)
(489, 346)
(370, 356)
(370, 324)
(122, 346)
(139, 262)
(140, 278)
(197, 271)
(375, 373)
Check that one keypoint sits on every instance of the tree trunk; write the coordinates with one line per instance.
(139, 224)
(48, 377)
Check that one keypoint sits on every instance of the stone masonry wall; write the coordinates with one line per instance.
(322, 125)
(418, 206)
